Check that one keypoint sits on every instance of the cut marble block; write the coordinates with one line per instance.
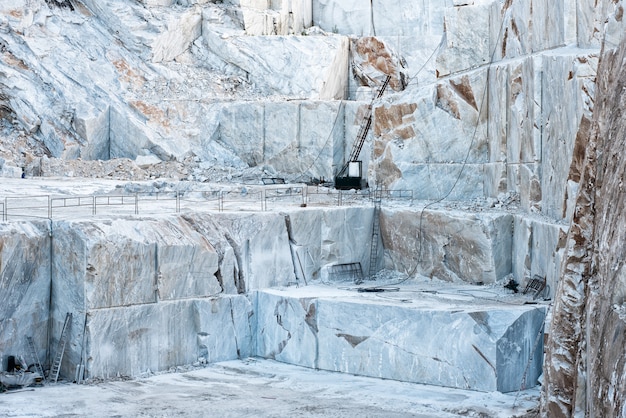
(450, 245)
(133, 340)
(462, 343)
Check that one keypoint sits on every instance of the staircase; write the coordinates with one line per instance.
(56, 366)
(35, 358)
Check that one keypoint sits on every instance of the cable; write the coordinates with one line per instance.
(443, 37)
(372, 16)
(341, 104)
(471, 145)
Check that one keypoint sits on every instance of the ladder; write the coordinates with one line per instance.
(56, 366)
(365, 127)
(35, 358)
(375, 232)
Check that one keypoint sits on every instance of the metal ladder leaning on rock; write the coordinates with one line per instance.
(375, 232)
(56, 366)
(35, 358)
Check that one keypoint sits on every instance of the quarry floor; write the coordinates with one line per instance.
(261, 388)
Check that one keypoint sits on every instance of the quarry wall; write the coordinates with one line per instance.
(148, 293)
(123, 278)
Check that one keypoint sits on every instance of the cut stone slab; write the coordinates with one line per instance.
(462, 342)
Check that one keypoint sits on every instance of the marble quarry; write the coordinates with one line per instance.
(486, 124)
(151, 293)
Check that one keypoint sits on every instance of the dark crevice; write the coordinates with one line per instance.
(232, 317)
(484, 358)
(238, 275)
(353, 340)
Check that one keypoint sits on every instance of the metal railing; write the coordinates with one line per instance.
(48, 207)
(35, 206)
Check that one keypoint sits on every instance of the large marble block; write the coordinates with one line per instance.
(179, 31)
(468, 40)
(93, 126)
(128, 261)
(537, 250)
(291, 137)
(261, 246)
(24, 289)
(449, 245)
(487, 348)
(431, 138)
(130, 284)
(325, 237)
(133, 340)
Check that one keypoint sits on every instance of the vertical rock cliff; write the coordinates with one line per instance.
(585, 363)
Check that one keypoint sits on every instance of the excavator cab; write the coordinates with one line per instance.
(351, 177)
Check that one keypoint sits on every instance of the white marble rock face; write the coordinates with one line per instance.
(449, 245)
(127, 262)
(127, 275)
(291, 137)
(326, 237)
(287, 330)
(421, 136)
(24, 289)
(389, 18)
(304, 67)
(537, 250)
(284, 17)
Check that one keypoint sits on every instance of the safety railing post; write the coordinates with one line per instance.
(93, 204)
(220, 201)
(263, 200)
(6, 210)
(177, 202)
(136, 204)
(49, 207)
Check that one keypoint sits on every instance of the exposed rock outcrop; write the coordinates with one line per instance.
(585, 364)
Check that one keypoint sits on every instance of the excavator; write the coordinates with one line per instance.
(350, 176)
